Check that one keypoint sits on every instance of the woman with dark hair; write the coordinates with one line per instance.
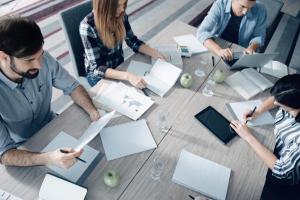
(285, 161)
(103, 32)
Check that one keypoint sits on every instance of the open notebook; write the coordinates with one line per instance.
(202, 175)
(171, 52)
(160, 77)
(124, 99)
(248, 82)
(54, 188)
(237, 109)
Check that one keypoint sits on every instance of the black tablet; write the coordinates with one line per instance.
(216, 123)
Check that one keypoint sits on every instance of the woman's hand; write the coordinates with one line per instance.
(241, 129)
(156, 55)
(248, 115)
(136, 81)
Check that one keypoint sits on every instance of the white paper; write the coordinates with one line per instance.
(93, 130)
(126, 100)
(161, 77)
(239, 108)
(275, 68)
(54, 188)
(202, 175)
(127, 139)
(191, 42)
(7, 196)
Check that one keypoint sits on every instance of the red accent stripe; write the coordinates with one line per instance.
(62, 55)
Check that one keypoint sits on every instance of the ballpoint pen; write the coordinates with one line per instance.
(191, 197)
(252, 112)
(144, 90)
(213, 60)
(77, 158)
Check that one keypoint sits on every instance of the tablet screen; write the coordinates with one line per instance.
(216, 123)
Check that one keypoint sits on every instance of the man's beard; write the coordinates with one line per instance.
(23, 74)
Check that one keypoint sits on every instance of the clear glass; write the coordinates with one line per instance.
(162, 122)
(208, 89)
(199, 72)
(157, 168)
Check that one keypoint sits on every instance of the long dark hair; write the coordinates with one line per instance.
(286, 91)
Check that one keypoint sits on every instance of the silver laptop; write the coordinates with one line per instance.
(241, 60)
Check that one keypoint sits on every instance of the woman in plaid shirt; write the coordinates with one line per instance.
(103, 32)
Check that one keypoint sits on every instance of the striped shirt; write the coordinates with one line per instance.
(98, 58)
(287, 133)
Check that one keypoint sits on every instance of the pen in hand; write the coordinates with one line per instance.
(144, 90)
(77, 158)
(250, 115)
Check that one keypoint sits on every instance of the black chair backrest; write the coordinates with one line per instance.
(70, 20)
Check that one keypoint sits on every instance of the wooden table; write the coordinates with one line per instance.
(180, 104)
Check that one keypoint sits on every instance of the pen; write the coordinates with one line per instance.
(63, 151)
(191, 197)
(213, 60)
(250, 115)
(145, 92)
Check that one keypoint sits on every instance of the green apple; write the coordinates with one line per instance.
(219, 76)
(111, 178)
(186, 80)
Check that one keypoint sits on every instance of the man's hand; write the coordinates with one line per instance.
(63, 160)
(249, 50)
(94, 115)
(136, 81)
(226, 54)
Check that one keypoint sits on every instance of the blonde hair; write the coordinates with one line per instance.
(110, 28)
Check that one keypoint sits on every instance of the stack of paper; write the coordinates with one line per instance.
(54, 188)
(124, 99)
(191, 42)
(237, 109)
(160, 78)
(7, 196)
(127, 139)
(202, 175)
(275, 68)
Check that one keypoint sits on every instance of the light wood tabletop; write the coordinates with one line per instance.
(180, 105)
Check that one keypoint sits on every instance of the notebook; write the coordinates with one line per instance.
(201, 175)
(160, 78)
(248, 82)
(171, 52)
(237, 109)
(275, 68)
(124, 99)
(191, 42)
(54, 188)
(127, 139)
(8, 196)
(80, 170)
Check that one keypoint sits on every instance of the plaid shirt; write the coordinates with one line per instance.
(98, 58)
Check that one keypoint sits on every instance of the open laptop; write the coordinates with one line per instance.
(241, 60)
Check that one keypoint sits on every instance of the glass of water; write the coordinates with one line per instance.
(199, 72)
(157, 168)
(162, 122)
(208, 88)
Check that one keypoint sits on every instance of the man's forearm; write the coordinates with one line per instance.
(22, 158)
(81, 97)
(212, 46)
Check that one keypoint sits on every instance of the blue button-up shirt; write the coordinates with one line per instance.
(25, 108)
(252, 27)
